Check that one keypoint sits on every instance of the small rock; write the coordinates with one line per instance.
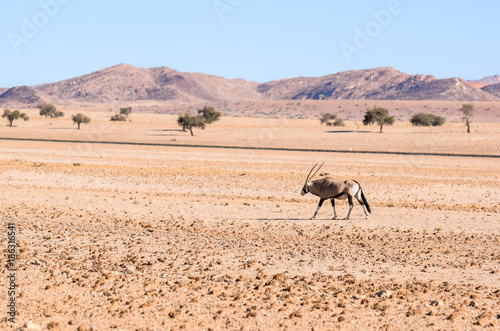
(383, 294)
(280, 277)
(484, 318)
(30, 326)
(454, 316)
(436, 303)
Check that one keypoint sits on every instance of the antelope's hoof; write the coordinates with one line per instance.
(346, 219)
(334, 218)
(367, 217)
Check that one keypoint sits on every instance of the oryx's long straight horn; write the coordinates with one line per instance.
(309, 174)
(309, 178)
(316, 171)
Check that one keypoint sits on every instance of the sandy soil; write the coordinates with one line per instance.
(153, 238)
(263, 132)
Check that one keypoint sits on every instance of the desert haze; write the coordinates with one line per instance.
(149, 228)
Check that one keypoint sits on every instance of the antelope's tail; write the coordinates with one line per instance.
(363, 197)
(365, 202)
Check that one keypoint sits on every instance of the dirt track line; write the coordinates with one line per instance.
(284, 149)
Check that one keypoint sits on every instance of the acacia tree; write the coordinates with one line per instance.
(327, 118)
(209, 114)
(182, 121)
(125, 111)
(122, 115)
(331, 120)
(49, 110)
(189, 122)
(467, 111)
(119, 117)
(14, 115)
(380, 116)
(422, 119)
(338, 122)
(79, 119)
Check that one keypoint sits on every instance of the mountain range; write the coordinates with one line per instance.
(128, 83)
(488, 80)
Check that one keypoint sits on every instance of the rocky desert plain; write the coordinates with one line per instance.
(139, 226)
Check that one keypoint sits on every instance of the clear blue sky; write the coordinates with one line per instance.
(258, 40)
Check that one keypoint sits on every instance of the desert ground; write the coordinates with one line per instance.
(350, 110)
(175, 234)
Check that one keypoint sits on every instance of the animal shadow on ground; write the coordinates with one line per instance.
(348, 131)
(307, 219)
(164, 135)
(281, 219)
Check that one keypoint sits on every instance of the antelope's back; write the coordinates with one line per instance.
(331, 187)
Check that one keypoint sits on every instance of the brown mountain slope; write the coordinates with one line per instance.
(344, 85)
(206, 87)
(373, 84)
(21, 95)
(493, 89)
(122, 82)
(128, 83)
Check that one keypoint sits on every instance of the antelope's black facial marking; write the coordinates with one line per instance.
(305, 189)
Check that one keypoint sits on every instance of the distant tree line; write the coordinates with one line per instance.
(381, 117)
(208, 115)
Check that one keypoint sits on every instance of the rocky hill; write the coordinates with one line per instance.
(373, 84)
(493, 89)
(21, 95)
(128, 83)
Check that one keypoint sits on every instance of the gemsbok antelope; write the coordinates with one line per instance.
(329, 188)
